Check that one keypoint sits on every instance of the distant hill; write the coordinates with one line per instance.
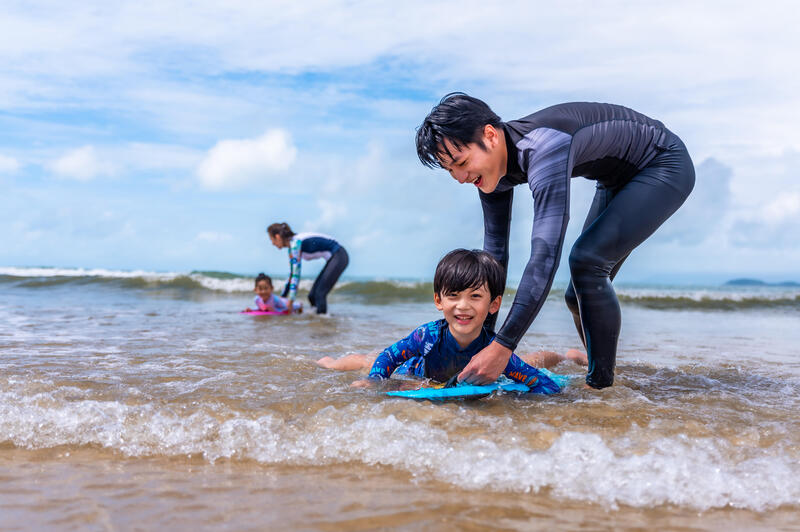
(758, 282)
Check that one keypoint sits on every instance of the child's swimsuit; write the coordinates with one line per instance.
(432, 352)
(275, 303)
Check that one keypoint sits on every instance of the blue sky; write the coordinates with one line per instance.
(166, 135)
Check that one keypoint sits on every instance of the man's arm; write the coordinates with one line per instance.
(496, 229)
(546, 153)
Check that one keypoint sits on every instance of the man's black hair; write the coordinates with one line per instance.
(462, 269)
(263, 277)
(458, 118)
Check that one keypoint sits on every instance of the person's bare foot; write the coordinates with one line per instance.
(579, 357)
(326, 362)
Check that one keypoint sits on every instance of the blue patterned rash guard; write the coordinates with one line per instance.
(430, 351)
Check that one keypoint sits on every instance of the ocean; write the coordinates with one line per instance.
(143, 400)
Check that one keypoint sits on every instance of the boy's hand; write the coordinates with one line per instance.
(486, 366)
(363, 383)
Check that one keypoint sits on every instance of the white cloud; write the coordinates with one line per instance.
(359, 77)
(704, 210)
(330, 212)
(782, 209)
(8, 164)
(150, 156)
(773, 225)
(232, 164)
(212, 236)
(82, 164)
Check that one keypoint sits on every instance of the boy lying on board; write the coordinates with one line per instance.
(467, 287)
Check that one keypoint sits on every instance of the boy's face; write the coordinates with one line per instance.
(264, 290)
(466, 311)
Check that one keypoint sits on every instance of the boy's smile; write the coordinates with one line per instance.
(465, 311)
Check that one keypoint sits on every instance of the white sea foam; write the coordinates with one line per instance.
(238, 284)
(737, 294)
(229, 285)
(699, 473)
(86, 272)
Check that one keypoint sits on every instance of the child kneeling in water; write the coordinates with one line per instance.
(266, 300)
(467, 287)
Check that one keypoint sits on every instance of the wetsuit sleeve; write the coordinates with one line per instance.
(393, 356)
(518, 370)
(294, 270)
(546, 153)
(496, 230)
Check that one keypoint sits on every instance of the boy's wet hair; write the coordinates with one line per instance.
(281, 229)
(458, 118)
(263, 277)
(463, 268)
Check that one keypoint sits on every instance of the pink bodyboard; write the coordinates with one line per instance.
(263, 313)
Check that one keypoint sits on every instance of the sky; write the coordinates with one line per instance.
(166, 135)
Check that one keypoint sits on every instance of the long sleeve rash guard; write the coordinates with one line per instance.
(604, 142)
(306, 246)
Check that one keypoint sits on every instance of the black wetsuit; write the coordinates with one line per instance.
(643, 174)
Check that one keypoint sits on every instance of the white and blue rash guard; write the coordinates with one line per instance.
(306, 246)
(603, 142)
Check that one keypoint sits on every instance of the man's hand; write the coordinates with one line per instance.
(487, 365)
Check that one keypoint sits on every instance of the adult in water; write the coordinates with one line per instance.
(643, 173)
(309, 246)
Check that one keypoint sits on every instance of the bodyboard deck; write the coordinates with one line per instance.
(263, 313)
(460, 392)
(465, 392)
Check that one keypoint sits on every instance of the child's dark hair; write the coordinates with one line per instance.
(463, 268)
(263, 277)
(281, 229)
(458, 118)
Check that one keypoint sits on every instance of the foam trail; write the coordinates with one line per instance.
(700, 473)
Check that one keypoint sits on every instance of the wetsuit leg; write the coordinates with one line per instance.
(602, 197)
(318, 296)
(601, 200)
(633, 213)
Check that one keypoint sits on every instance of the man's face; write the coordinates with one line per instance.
(476, 165)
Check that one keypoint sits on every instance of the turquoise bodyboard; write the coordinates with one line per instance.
(561, 380)
(464, 391)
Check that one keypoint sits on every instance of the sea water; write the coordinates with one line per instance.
(142, 400)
